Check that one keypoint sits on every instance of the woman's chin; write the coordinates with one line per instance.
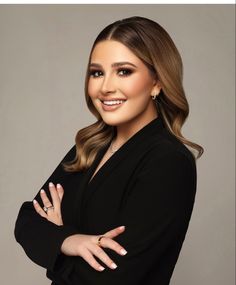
(111, 121)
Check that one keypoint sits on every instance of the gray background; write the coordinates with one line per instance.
(43, 55)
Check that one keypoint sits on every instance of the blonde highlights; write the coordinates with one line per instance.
(153, 45)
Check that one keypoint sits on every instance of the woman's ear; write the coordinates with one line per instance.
(156, 89)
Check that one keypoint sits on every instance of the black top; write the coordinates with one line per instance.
(148, 185)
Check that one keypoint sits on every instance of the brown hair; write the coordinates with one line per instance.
(153, 45)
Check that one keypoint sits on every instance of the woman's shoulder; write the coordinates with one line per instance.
(169, 161)
(167, 147)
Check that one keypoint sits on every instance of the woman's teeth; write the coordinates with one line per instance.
(113, 102)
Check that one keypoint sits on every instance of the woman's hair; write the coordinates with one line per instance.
(155, 48)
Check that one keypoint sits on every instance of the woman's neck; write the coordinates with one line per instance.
(125, 131)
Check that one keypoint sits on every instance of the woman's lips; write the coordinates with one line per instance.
(110, 105)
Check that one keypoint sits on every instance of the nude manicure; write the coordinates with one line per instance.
(113, 265)
(123, 251)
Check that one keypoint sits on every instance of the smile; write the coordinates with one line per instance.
(113, 102)
(112, 105)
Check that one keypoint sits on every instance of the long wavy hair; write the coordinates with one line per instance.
(155, 48)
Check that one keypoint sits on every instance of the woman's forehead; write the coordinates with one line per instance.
(110, 51)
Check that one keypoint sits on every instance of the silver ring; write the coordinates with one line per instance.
(48, 208)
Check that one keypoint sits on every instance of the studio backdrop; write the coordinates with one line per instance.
(43, 56)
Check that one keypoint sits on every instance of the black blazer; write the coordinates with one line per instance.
(148, 185)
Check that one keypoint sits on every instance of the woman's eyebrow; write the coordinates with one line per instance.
(115, 64)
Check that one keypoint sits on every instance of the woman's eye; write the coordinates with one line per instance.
(95, 73)
(125, 72)
(121, 72)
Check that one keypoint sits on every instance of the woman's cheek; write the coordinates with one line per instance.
(93, 88)
(133, 86)
(90, 91)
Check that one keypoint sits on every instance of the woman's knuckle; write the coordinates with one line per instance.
(80, 252)
(40, 211)
(108, 261)
(86, 255)
(94, 264)
(113, 244)
(37, 206)
(118, 247)
(98, 251)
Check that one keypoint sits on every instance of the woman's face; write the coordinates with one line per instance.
(120, 85)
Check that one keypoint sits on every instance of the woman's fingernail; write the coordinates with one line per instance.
(122, 227)
(58, 185)
(123, 252)
(42, 191)
(51, 184)
(101, 268)
(113, 265)
(34, 201)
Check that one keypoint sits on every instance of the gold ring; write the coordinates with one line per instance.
(99, 240)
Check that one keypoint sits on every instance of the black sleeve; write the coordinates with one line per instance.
(156, 217)
(41, 239)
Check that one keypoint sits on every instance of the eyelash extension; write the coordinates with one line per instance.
(92, 73)
(127, 70)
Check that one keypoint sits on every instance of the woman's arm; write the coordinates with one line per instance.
(156, 216)
(51, 243)
(85, 246)
(40, 238)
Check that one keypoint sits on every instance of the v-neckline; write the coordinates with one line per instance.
(91, 178)
(97, 161)
(89, 186)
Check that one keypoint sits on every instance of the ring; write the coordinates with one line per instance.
(99, 240)
(48, 208)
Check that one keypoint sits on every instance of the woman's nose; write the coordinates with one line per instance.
(108, 85)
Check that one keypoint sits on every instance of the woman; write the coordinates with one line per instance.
(117, 207)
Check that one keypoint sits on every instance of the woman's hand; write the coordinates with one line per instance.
(82, 245)
(51, 211)
(87, 245)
